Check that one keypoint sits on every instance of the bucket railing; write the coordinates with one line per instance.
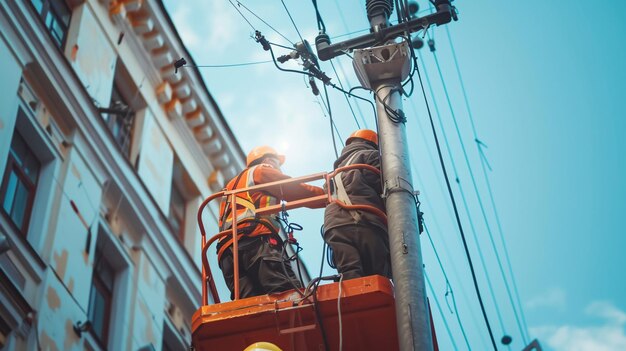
(208, 282)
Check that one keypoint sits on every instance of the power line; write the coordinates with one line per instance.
(447, 286)
(480, 203)
(493, 204)
(340, 66)
(450, 211)
(260, 19)
(345, 95)
(467, 211)
(333, 126)
(445, 322)
(458, 220)
(231, 64)
(292, 21)
(345, 26)
(244, 17)
(465, 205)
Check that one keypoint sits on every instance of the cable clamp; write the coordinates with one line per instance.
(399, 184)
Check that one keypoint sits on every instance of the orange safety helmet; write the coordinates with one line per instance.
(260, 152)
(365, 134)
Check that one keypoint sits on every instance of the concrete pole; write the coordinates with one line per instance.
(414, 329)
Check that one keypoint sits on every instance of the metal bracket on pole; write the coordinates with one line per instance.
(381, 33)
(382, 63)
(398, 184)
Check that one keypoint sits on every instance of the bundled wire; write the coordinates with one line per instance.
(396, 116)
(320, 22)
(289, 228)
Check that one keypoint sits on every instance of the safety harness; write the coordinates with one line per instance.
(340, 193)
(246, 207)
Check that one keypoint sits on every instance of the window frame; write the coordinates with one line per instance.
(180, 235)
(110, 249)
(13, 167)
(122, 141)
(98, 284)
(48, 9)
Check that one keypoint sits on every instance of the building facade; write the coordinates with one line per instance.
(106, 151)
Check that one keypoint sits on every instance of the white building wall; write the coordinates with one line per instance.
(10, 72)
(123, 200)
(74, 245)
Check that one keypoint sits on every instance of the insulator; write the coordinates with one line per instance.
(413, 8)
(322, 38)
(378, 7)
(417, 42)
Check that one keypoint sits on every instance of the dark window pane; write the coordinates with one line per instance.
(97, 310)
(18, 149)
(61, 12)
(119, 119)
(38, 5)
(19, 183)
(100, 299)
(177, 212)
(31, 168)
(56, 16)
(105, 274)
(9, 196)
(24, 157)
(20, 205)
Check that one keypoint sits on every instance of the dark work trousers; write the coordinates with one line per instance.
(359, 250)
(260, 267)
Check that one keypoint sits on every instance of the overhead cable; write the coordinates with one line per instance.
(358, 107)
(472, 177)
(438, 227)
(345, 95)
(332, 123)
(292, 21)
(320, 22)
(448, 285)
(458, 219)
(259, 18)
(479, 145)
(443, 317)
(463, 197)
(231, 65)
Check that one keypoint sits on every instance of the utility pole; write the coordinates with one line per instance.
(382, 69)
(412, 316)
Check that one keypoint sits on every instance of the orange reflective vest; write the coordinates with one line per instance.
(247, 205)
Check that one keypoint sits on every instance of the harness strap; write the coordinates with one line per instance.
(340, 190)
(223, 246)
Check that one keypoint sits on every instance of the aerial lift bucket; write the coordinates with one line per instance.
(356, 314)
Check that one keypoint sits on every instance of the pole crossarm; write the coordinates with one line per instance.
(445, 13)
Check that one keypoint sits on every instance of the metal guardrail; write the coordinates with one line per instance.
(208, 282)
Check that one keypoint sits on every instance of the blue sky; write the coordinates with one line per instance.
(545, 83)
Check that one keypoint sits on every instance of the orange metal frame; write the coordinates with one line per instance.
(208, 282)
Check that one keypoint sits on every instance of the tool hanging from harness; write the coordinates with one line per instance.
(248, 221)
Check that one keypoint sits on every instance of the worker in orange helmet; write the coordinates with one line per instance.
(261, 260)
(358, 239)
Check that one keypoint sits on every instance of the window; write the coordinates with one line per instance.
(19, 183)
(119, 119)
(55, 15)
(124, 112)
(100, 299)
(176, 216)
(183, 196)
